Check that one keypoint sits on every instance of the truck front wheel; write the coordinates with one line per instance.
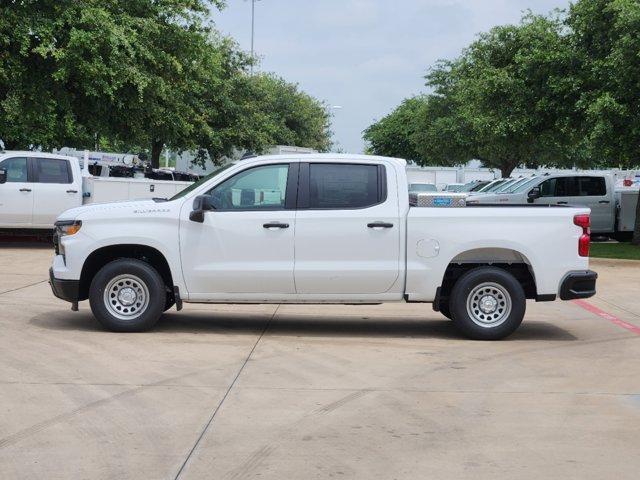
(487, 303)
(127, 295)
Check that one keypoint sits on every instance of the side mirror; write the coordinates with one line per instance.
(201, 204)
(533, 194)
(3, 176)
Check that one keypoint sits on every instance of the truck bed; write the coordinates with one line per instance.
(542, 237)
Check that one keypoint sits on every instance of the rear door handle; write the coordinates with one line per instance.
(380, 225)
(604, 201)
(25, 189)
(72, 191)
(276, 225)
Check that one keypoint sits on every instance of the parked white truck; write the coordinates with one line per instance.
(35, 187)
(613, 211)
(319, 229)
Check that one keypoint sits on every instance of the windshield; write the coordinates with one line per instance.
(492, 186)
(474, 187)
(508, 186)
(422, 187)
(524, 186)
(204, 179)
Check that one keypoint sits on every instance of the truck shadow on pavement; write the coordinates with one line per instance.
(303, 325)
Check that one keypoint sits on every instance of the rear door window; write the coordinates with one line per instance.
(345, 186)
(592, 186)
(53, 170)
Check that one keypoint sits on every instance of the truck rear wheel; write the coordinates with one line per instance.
(487, 303)
(127, 295)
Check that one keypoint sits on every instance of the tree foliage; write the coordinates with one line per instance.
(557, 90)
(136, 74)
(393, 135)
(501, 101)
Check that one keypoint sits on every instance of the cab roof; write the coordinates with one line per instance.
(325, 157)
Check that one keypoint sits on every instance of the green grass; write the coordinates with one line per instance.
(615, 250)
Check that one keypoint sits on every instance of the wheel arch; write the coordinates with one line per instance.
(103, 255)
(510, 260)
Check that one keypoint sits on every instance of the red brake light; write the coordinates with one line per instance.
(583, 245)
(584, 242)
(583, 221)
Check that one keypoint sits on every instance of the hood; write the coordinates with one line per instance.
(115, 209)
(484, 198)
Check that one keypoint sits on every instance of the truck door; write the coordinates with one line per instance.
(244, 249)
(593, 193)
(16, 195)
(582, 191)
(347, 229)
(54, 191)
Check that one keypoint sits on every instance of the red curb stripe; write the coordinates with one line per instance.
(607, 316)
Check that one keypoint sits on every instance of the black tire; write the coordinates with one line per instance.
(169, 303)
(142, 283)
(622, 236)
(502, 292)
(444, 309)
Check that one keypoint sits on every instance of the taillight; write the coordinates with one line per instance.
(584, 241)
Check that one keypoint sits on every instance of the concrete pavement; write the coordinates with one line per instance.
(272, 392)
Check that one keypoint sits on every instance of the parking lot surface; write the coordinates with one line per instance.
(305, 392)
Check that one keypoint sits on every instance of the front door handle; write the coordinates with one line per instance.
(563, 203)
(25, 189)
(72, 191)
(380, 225)
(276, 225)
(604, 201)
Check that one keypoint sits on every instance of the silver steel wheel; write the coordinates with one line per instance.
(489, 305)
(126, 297)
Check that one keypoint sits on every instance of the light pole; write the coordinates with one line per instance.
(253, 30)
(331, 109)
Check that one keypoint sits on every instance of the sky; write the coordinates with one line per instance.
(365, 56)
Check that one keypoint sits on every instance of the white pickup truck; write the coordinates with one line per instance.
(35, 187)
(613, 211)
(319, 229)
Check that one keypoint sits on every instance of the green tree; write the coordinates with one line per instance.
(72, 71)
(506, 99)
(393, 135)
(289, 116)
(604, 35)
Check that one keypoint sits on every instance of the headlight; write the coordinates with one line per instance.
(68, 227)
(64, 228)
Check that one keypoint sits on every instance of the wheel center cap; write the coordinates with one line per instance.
(127, 296)
(488, 304)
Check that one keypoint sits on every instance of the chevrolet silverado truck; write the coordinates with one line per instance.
(319, 229)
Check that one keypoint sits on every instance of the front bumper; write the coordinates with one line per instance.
(68, 290)
(578, 285)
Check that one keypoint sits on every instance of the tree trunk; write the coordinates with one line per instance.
(636, 231)
(156, 150)
(9, 145)
(507, 167)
